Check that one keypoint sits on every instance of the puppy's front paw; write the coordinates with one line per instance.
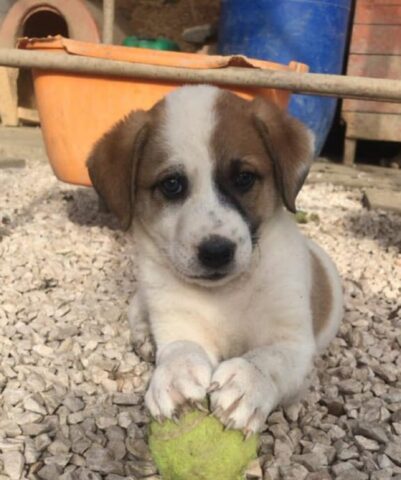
(143, 346)
(181, 378)
(241, 395)
(141, 338)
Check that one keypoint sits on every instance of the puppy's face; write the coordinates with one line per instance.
(204, 179)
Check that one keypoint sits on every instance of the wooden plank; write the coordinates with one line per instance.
(8, 162)
(28, 115)
(358, 176)
(377, 66)
(373, 126)
(347, 180)
(376, 39)
(389, 173)
(379, 2)
(374, 198)
(357, 170)
(377, 14)
(349, 151)
(371, 107)
(8, 96)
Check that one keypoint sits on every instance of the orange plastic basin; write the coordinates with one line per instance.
(75, 110)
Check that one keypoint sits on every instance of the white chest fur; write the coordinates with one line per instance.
(267, 303)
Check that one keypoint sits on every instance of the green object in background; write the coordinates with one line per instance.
(304, 217)
(301, 216)
(152, 43)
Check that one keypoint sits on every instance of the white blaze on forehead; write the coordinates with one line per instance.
(189, 123)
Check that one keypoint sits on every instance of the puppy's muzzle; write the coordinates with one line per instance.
(216, 252)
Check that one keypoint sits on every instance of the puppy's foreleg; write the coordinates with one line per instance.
(244, 390)
(183, 373)
(140, 329)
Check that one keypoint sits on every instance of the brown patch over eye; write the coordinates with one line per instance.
(288, 144)
(243, 176)
(243, 171)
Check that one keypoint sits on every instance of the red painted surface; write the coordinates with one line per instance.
(378, 66)
(378, 14)
(376, 39)
(375, 51)
(379, 2)
(81, 25)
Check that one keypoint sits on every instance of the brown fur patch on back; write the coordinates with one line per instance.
(321, 295)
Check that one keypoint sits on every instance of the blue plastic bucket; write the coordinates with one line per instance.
(309, 31)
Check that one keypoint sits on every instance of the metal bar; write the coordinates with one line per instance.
(309, 83)
(108, 20)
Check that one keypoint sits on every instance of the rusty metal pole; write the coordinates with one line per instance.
(310, 83)
(108, 20)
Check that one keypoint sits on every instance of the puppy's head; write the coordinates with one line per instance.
(202, 173)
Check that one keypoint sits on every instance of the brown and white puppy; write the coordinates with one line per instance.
(237, 300)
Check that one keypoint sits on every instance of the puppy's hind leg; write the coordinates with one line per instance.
(140, 329)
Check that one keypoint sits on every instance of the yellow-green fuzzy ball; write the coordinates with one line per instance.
(198, 448)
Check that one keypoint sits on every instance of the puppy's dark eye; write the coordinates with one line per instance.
(174, 187)
(244, 181)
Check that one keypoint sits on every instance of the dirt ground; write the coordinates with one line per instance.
(168, 18)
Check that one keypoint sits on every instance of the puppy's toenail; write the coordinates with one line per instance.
(213, 387)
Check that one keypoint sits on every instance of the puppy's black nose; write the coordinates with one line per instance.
(216, 252)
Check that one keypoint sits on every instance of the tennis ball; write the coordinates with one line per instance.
(198, 448)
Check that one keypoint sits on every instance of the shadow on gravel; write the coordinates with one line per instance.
(84, 208)
(385, 228)
(26, 214)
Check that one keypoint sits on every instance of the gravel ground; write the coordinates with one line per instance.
(71, 388)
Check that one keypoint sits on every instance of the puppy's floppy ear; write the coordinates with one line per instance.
(112, 164)
(289, 145)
